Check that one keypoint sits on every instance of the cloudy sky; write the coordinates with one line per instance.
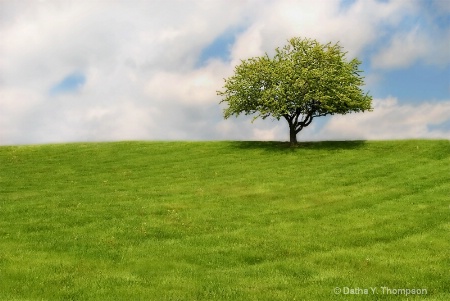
(105, 70)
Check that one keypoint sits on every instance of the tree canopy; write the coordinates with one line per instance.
(303, 80)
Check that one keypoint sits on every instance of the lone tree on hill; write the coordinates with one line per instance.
(304, 80)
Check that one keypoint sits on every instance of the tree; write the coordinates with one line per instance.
(304, 80)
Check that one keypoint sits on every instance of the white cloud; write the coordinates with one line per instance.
(264, 135)
(196, 87)
(243, 129)
(423, 39)
(249, 44)
(391, 120)
(368, 21)
(140, 61)
(14, 107)
(406, 49)
(361, 24)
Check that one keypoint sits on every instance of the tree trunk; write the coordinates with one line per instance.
(292, 135)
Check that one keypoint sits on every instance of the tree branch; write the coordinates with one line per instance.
(288, 118)
(308, 120)
(320, 115)
(304, 123)
(297, 114)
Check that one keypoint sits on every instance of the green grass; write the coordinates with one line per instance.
(224, 220)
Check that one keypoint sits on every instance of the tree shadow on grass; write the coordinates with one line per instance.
(278, 146)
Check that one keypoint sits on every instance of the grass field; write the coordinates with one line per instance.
(225, 221)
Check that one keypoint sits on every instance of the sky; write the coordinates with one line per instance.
(106, 70)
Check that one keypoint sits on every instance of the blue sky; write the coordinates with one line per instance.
(149, 70)
(414, 84)
(220, 48)
(69, 84)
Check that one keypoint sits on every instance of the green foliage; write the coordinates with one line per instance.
(224, 220)
(304, 80)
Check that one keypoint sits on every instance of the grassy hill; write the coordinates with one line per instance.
(225, 221)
